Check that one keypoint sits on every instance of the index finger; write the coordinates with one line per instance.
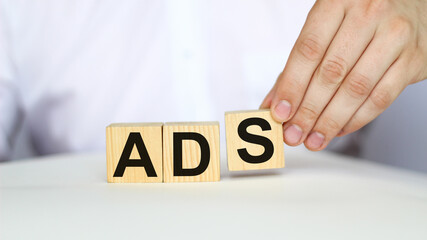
(321, 25)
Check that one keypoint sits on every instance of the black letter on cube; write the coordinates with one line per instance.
(135, 138)
(178, 137)
(248, 137)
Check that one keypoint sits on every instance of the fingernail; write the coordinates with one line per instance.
(293, 134)
(315, 140)
(283, 110)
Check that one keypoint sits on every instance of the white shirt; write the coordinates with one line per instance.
(70, 68)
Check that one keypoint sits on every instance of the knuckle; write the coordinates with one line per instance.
(368, 11)
(330, 124)
(308, 116)
(381, 99)
(294, 85)
(332, 71)
(376, 7)
(400, 29)
(289, 86)
(355, 124)
(308, 112)
(362, 19)
(310, 48)
(329, 3)
(358, 85)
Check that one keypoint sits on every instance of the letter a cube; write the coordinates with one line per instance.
(134, 152)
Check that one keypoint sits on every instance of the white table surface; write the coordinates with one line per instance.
(317, 196)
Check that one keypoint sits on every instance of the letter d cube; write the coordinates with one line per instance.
(191, 152)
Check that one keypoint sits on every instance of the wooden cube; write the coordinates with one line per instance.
(254, 140)
(191, 152)
(134, 152)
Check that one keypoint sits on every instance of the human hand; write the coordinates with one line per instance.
(350, 62)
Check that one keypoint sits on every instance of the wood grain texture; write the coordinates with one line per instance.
(191, 153)
(117, 135)
(234, 142)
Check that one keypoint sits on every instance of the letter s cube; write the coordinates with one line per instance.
(254, 140)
